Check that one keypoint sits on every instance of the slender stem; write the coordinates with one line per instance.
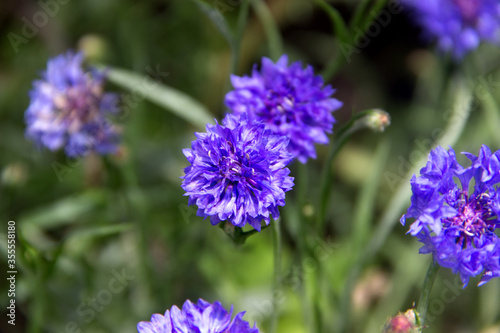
(343, 135)
(333, 65)
(302, 236)
(360, 21)
(341, 31)
(423, 303)
(275, 43)
(126, 180)
(39, 305)
(339, 27)
(277, 273)
(372, 15)
(240, 29)
(358, 14)
(236, 43)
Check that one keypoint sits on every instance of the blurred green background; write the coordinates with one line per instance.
(83, 222)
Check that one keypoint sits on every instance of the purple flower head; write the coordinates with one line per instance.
(201, 317)
(458, 25)
(67, 109)
(457, 211)
(290, 100)
(238, 172)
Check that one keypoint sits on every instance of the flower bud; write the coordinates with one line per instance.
(378, 120)
(403, 323)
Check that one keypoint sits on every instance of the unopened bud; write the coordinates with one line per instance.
(378, 120)
(94, 47)
(403, 323)
(14, 174)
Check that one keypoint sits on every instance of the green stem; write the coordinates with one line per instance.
(237, 235)
(39, 306)
(376, 8)
(365, 203)
(236, 43)
(333, 66)
(35, 324)
(126, 180)
(341, 30)
(275, 43)
(423, 303)
(302, 236)
(358, 14)
(240, 29)
(339, 26)
(343, 135)
(277, 274)
(344, 38)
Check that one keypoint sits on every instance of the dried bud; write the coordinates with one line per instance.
(403, 323)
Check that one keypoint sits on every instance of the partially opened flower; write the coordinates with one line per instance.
(456, 222)
(238, 172)
(202, 317)
(458, 25)
(68, 108)
(290, 100)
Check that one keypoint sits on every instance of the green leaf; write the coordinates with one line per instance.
(101, 231)
(65, 211)
(162, 95)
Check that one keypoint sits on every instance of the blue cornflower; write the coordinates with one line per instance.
(291, 101)
(458, 25)
(238, 172)
(457, 223)
(67, 109)
(201, 317)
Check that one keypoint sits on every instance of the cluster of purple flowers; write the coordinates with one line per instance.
(457, 223)
(459, 26)
(238, 169)
(201, 317)
(68, 108)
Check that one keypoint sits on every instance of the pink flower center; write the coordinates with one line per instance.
(78, 105)
(474, 217)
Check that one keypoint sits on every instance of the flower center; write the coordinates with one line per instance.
(230, 165)
(279, 107)
(468, 8)
(473, 218)
(231, 168)
(78, 105)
